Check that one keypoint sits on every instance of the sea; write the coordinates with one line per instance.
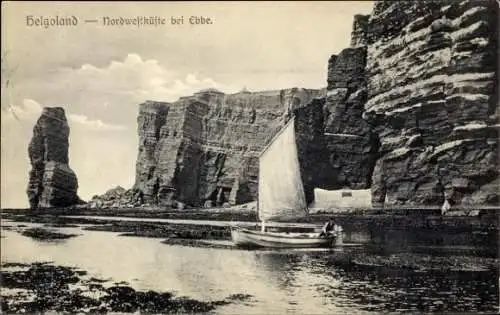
(299, 281)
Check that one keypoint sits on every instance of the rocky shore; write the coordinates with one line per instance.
(240, 213)
(43, 287)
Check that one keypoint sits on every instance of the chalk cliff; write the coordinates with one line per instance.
(431, 76)
(51, 182)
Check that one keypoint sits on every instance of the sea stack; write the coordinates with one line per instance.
(51, 182)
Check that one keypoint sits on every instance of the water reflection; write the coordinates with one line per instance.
(286, 281)
(310, 276)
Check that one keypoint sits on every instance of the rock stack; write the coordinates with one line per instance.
(51, 182)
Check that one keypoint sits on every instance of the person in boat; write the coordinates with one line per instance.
(327, 228)
(331, 228)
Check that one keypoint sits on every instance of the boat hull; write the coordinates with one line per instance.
(249, 239)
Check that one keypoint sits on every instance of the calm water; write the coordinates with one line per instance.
(291, 281)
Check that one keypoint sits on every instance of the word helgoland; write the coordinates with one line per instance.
(51, 21)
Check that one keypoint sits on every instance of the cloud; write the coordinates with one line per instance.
(31, 110)
(140, 79)
(96, 99)
(93, 124)
(111, 92)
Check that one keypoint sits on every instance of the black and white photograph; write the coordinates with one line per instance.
(240, 157)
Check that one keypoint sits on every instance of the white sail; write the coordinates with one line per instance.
(281, 191)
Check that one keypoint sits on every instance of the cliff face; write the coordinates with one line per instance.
(432, 100)
(410, 111)
(51, 182)
(311, 147)
(203, 150)
(411, 107)
(350, 144)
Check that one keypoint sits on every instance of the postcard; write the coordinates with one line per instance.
(295, 157)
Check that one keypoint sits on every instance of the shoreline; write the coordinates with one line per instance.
(219, 236)
(400, 218)
(249, 212)
(25, 287)
(375, 229)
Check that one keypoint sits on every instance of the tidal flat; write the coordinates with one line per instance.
(129, 265)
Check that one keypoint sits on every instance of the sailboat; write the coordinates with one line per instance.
(281, 197)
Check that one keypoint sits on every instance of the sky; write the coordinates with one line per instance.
(100, 73)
